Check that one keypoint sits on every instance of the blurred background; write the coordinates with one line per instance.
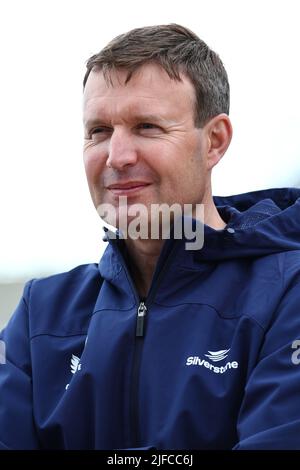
(48, 223)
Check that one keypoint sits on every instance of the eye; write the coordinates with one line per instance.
(99, 130)
(147, 125)
(147, 128)
(99, 133)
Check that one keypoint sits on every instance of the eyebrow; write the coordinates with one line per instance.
(149, 117)
(89, 123)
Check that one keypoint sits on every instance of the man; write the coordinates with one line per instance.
(162, 346)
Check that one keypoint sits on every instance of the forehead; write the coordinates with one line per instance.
(149, 89)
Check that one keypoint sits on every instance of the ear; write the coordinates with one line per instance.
(219, 134)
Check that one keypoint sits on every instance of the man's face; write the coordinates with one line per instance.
(141, 141)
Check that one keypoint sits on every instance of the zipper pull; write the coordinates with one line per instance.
(141, 319)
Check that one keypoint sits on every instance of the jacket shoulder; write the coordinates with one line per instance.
(62, 304)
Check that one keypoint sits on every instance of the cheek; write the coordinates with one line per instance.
(94, 163)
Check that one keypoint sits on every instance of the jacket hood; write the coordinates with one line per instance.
(259, 223)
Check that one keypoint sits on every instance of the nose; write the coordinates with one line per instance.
(122, 151)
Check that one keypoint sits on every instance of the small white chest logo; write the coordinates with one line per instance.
(75, 364)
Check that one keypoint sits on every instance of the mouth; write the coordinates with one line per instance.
(128, 188)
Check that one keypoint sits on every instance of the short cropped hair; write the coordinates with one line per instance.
(177, 50)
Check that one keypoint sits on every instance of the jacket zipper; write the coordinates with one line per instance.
(135, 377)
(140, 323)
(143, 308)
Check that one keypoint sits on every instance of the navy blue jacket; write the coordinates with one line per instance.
(216, 366)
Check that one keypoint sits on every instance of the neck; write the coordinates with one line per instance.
(211, 215)
(143, 254)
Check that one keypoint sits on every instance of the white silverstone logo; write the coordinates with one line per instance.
(2, 352)
(296, 354)
(215, 356)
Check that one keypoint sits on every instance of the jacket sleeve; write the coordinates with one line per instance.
(17, 430)
(270, 414)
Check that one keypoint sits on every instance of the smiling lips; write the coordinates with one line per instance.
(127, 189)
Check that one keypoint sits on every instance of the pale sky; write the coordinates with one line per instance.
(48, 221)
